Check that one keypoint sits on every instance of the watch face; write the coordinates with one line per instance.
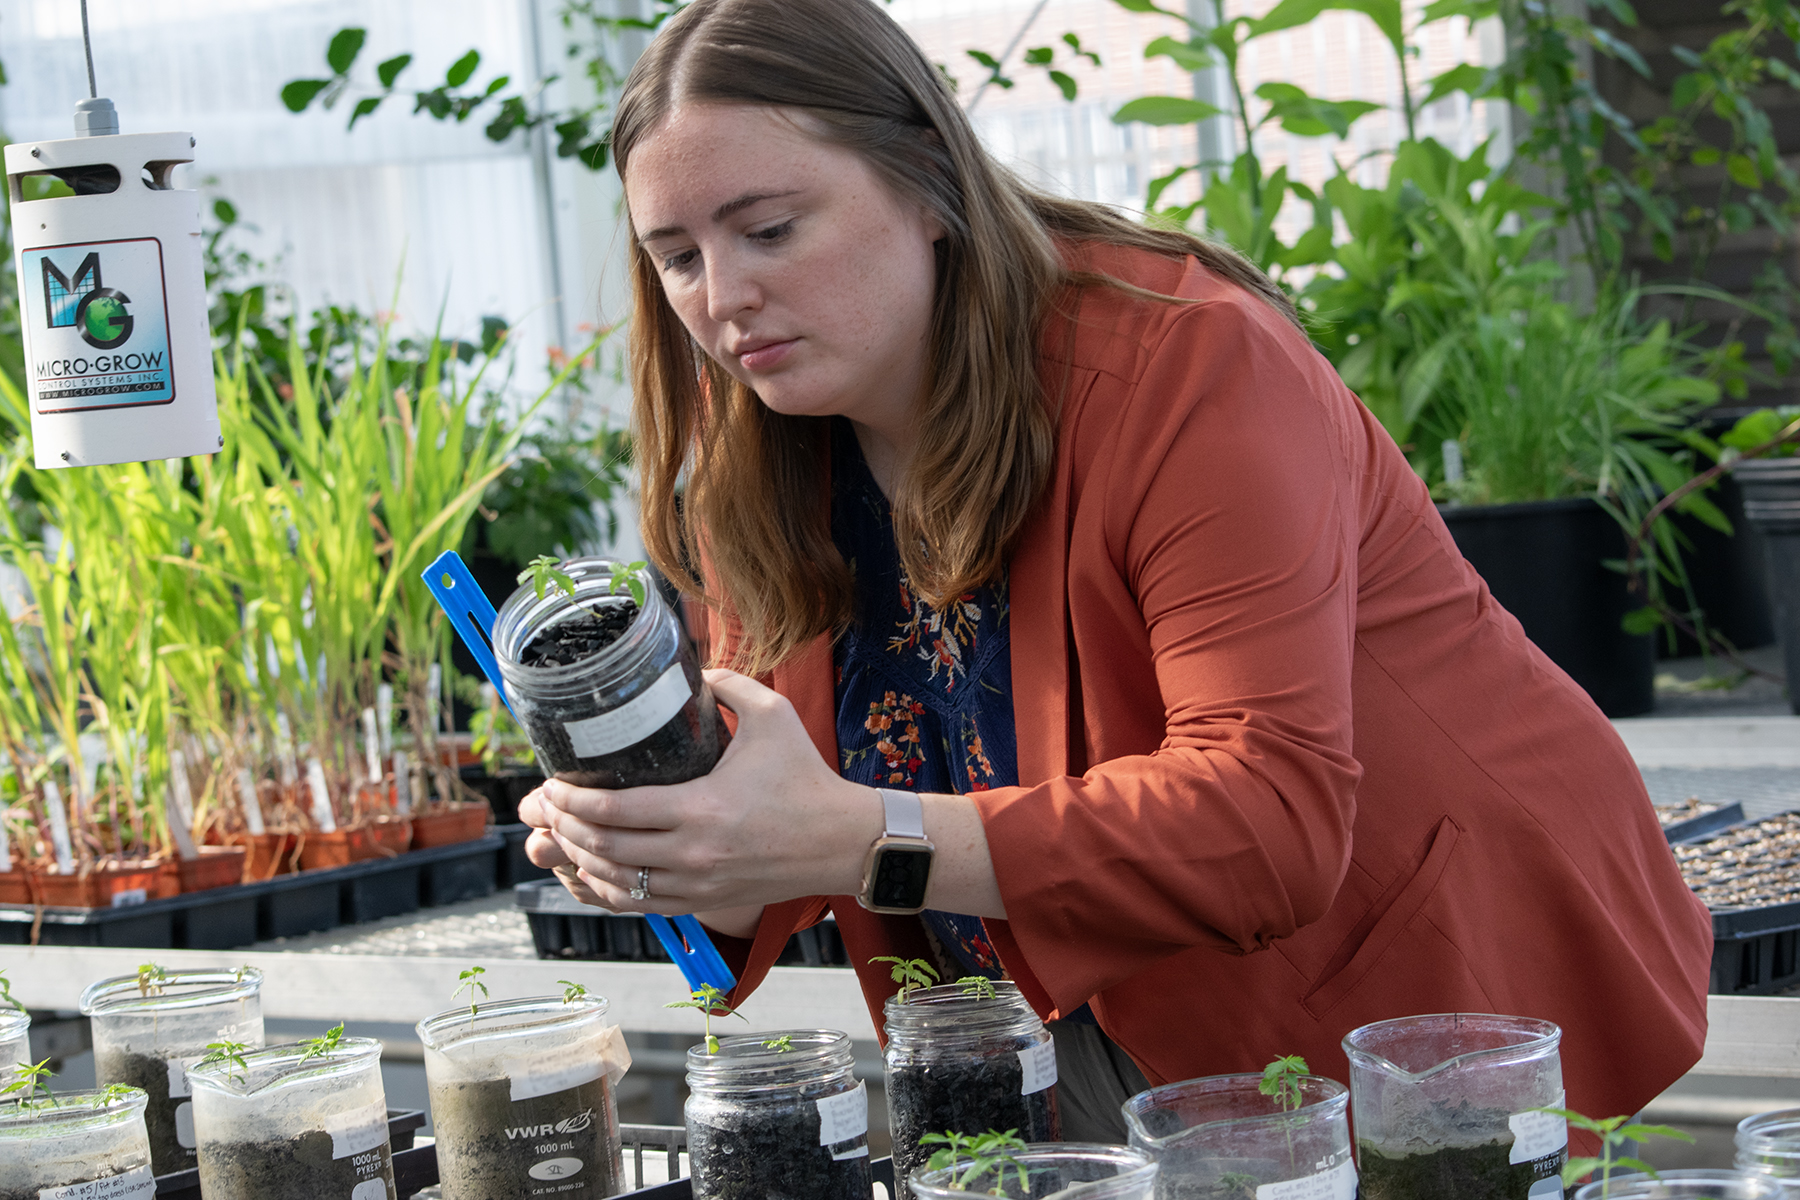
(900, 875)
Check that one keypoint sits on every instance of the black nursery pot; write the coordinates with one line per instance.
(764, 1121)
(1544, 561)
(1772, 503)
(967, 1064)
(608, 693)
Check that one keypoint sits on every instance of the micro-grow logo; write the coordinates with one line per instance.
(81, 301)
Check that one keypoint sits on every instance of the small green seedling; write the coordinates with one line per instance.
(544, 571)
(112, 1094)
(627, 574)
(324, 1044)
(6, 997)
(976, 987)
(470, 981)
(1281, 1079)
(910, 973)
(226, 1052)
(150, 979)
(1237, 1185)
(986, 1152)
(780, 1045)
(710, 1001)
(30, 1080)
(1613, 1133)
(572, 991)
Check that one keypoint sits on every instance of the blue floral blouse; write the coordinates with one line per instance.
(924, 696)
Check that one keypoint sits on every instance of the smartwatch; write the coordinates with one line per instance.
(899, 863)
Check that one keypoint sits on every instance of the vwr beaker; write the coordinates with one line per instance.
(1221, 1136)
(150, 1027)
(522, 1098)
(75, 1144)
(1444, 1106)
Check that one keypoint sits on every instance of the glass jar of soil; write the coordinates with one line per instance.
(1769, 1144)
(1094, 1172)
(148, 1029)
(778, 1115)
(1221, 1136)
(84, 1138)
(1443, 1107)
(1695, 1184)
(607, 691)
(963, 1063)
(15, 1041)
(295, 1122)
(522, 1098)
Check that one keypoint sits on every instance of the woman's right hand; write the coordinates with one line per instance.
(545, 850)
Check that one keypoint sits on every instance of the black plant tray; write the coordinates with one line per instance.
(1705, 825)
(683, 1188)
(563, 927)
(1756, 948)
(402, 1125)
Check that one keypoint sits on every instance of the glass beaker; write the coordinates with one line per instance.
(1769, 1144)
(1221, 1136)
(522, 1096)
(1047, 1169)
(15, 1042)
(83, 1138)
(294, 1122)
(1443, 1106)
(1684, 1185)
(149, 1028)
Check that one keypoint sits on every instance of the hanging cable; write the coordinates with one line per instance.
(87, 44)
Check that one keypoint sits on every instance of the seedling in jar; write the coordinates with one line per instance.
(226, 1052)
(1613, 1134)
(990, 1151)
(150, 979)
(780, 1045)
(627, 574)
(31, 1080)
(470, 981)
(710, 1001)
(1236, 1185)
(976, 987)
(572, 991)
(1281, 1079)
(910, 973)
(545, 571)
(324, 1044)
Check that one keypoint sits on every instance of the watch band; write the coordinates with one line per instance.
(903, 813)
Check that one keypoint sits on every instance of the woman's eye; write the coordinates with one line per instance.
(773, 233)
(676, 262)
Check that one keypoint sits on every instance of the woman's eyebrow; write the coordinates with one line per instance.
(719, 214)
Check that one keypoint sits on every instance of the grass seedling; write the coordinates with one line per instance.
(1281, 1079)
(226, 1052)
(544, 572)
(572, 991)
(780, 1045)
(150, 979)
(30, 1080)
(986, 1152)
(1613, 1134)
(470, 981)
(322, 1045)
(976, 987)
(711, 1002)
(627, 574)
(910, 973)
(6, 996)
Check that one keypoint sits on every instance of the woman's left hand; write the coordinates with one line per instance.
(773, 821)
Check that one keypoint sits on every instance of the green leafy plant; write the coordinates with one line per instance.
(780, 1045)
(976, 987)
(1281, 1080)
(910, 973)
(711, 1002)
(630, 577)
(470, 981)
(150, 979)
(572, 991)
(1756, 430)
(546, 571)
(31, 1080)
(1613, 1133)
(325, 1043)
(111, 1094)
(226, 1052)
(984, 1153)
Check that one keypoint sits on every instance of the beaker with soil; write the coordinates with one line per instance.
(1091, 1171)
(1221, 1138)
(1444, 1106)
(15, 1042)
(607, 691)
(1695, 1184)
(149, 1028)
(1769, 1144)
(522, 1098)
(962, 1062)
(91, 1143)
(778, 1114)
(295, 1122)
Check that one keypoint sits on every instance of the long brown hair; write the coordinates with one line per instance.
(753, 502)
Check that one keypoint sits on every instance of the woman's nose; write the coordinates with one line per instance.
(731, 288)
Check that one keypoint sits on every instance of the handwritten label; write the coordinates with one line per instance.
(137, 1184)
(632, 721)
(844, 1117)
(1339, 1183)
(1038, 1063)
(1535, 1135)
(358, 1130)
(545, 1074)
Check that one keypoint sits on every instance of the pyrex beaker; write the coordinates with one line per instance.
(1700, 1184)
(294, 1122)
(1221, 1136)
(49, 1146)
(522, 1098)
(1443, 1107)
(1094, 1172)
(150, 1027)
(15, 1041)
(1769, 1144)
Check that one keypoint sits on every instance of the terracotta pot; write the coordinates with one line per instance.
(98, 887)
(15, 888)
(383, 837)
(448, 824)
(216, 867)
(268, 855)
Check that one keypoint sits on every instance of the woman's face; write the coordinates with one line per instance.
(788, 260)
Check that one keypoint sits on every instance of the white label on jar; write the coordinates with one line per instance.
(1038, 1063)
(1339, 1183)
(843, 1117)
(358, 1130)
(178, 1080)
(544, 1074)
(184, 1125)
(370, 1189)
(1536, 1134)
(137, 1184)
(632, 721)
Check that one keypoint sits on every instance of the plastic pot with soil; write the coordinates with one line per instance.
(966, 1063)
(778, 1115)
(150, 1027)
(91, 1143)
(522, 1098)
(1223, 1137)
(602, 681)
(1091, 1171)
(306, 1121)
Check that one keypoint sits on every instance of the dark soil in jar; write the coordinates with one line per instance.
(151, 1073)
(300, 1168)
(582, 634)
(969, 1097)
(488, 1142)
(1465, 1172)
(772, 1152)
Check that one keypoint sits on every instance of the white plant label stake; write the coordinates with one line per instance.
(59, 828)
(384, 717)
(402, 783)
(181, 807)
(321, 797)
(284, 750)
(372, 746)
(253, 818)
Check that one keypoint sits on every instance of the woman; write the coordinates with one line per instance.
(1056, 531)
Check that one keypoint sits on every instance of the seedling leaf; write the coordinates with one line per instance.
(324, 1044)
(572, 991)
(910, 973)
(710, 1001)
(545, 570)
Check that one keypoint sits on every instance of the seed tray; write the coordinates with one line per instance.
(563, 927)
(1697, 819)
(1748, 875)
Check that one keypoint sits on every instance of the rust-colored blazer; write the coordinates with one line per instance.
(1286, 767)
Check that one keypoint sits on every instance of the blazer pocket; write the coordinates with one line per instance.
(1392, 911)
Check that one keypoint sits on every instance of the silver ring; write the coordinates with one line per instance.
(642, 890)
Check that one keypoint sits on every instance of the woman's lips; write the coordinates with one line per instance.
(764, 357)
